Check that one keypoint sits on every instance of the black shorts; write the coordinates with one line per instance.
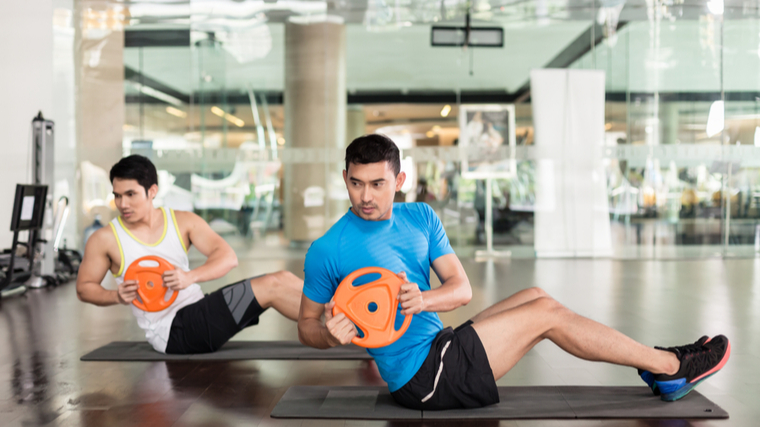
(204, 326)
(455, 374)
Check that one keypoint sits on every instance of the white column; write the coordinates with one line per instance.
(572, 210)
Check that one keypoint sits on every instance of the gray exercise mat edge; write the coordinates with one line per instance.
(532, 402)
(127, 351)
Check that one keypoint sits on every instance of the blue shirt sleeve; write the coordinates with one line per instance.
(439, 241)
(320, 279)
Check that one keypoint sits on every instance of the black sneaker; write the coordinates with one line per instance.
(699, 361)
(648, 377)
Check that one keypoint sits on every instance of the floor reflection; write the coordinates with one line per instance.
(43, 334)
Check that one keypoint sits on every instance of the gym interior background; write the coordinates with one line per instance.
(245, 106)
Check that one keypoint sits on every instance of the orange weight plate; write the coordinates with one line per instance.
(358, 302)
(150, 286)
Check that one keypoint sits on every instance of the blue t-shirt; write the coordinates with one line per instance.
(410, 241)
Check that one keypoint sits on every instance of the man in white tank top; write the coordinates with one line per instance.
(193, 323)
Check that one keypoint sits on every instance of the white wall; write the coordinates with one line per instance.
(26, 87)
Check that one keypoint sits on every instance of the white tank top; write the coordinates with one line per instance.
(170, 247)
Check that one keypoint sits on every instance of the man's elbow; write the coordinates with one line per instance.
(81, 294)
(230, 259)
(302, 335)
(466, 294)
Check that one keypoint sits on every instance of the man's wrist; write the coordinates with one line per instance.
(193, 276)
(118, 298)
(331, 341)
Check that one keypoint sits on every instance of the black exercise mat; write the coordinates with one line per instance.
(561, 402)
(358, 403)
(122, 351)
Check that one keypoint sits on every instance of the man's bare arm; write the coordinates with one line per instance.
(220, 258)
(94, 267)
(335, 331)
(454, 292)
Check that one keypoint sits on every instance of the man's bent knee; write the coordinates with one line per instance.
(548, 305)
(285, 277)
(538, 293)
(269, 287)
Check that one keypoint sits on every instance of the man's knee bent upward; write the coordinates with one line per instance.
(538, 293)
(270, 287)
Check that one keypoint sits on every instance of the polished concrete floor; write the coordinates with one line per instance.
(44, 332)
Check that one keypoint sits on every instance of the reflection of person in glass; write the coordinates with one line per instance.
(483, 136)
(490, 138)
(475, 126)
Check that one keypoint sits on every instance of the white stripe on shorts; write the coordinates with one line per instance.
(438, 375)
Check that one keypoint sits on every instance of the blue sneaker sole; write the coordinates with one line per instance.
(648, 378)
(683, 391)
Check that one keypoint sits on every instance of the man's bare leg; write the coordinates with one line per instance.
(508, 335)
(281, 290)
(518, 298)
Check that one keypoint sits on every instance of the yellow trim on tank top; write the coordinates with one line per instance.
(176, 227)
(121, 251)
(141, 242)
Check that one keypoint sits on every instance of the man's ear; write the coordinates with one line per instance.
(400, 179)
(345, 177)
(152, 191)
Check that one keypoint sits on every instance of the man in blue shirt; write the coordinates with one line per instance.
(430, 367)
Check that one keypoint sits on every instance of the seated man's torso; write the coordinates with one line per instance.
(403, 243)
(166, 239)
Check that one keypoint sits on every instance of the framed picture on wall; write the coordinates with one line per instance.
(487, 140)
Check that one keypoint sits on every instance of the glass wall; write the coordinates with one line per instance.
(245, 107)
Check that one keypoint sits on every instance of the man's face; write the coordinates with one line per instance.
(131, 200)
(371, 188)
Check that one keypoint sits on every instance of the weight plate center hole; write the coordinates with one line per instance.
(372, 307)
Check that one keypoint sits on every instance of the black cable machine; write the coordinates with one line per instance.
(28, 214)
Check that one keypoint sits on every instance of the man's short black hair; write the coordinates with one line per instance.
(373, 148)
(136, 167)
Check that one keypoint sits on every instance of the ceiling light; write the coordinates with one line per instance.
(229, 117)
(445, 110)
(176, 112)
(715, 7)
(430, 134)
(458, 36)
(157, 94)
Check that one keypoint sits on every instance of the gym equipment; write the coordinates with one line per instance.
(372, 307)
(131, 351)
(28, 212)
(43, 173)
(537, 402)
(150, 286)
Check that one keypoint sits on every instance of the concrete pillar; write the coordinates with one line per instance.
(669, 122)
(26, 87)
(356, 123)
(315, 117)
(99, 62)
